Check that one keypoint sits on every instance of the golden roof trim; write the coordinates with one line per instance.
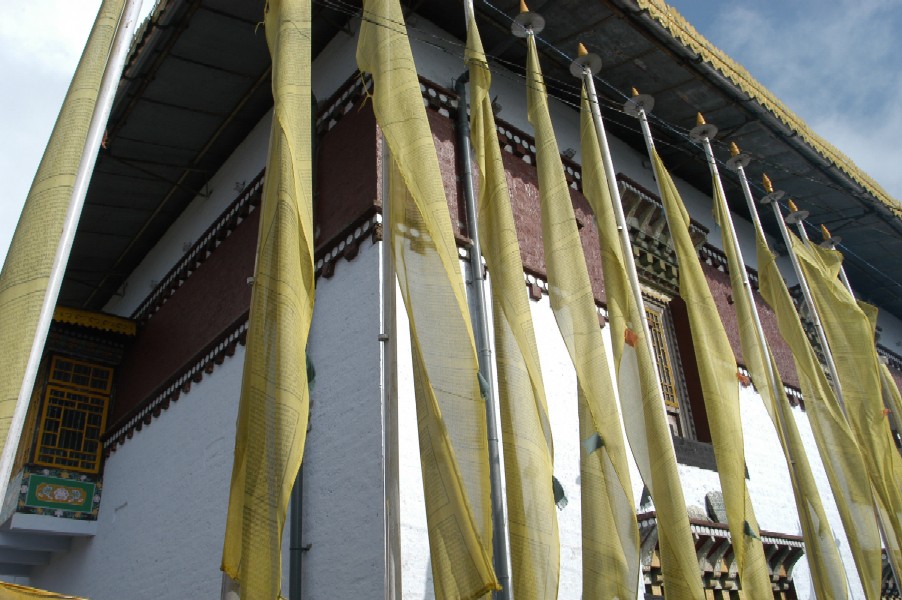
(686, 34)
(95, 320)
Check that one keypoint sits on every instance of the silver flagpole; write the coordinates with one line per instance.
(703, 133)
(391, 518)
(479, 317)
(108, 85)
(585, 67)
(771, 198)
(829, 242)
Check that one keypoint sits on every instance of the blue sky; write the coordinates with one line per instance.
(834, 62)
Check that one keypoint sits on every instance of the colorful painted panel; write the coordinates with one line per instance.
(57, 493)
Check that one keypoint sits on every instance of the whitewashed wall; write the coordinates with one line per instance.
(162, 518)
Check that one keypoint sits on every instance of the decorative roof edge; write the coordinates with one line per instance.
(683, 32)
(95, 320)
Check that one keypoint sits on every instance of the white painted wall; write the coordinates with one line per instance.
(343, 495)
(162, 517)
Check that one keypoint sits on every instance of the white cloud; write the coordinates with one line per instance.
(834, 63)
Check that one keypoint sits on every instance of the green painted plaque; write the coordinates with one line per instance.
(58, 493)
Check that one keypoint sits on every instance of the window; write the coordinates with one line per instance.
(669, 367)
(74, 414)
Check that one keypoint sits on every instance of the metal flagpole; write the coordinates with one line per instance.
(703, 132)
(107, 92)
(391, 518)
(771, 198)
(479, 318)
(829, 240)
(584, 67)
(639, 106)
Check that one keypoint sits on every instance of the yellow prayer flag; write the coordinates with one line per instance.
(610, 533)
(12, 591)
(850, 335)
(450, 408)
(274, 407)
(827, 573)
(525, 428)
(29, 262)
(640, 393)
(836, 444)
(717, 371)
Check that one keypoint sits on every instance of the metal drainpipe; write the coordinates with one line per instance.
(295, 508)
(484, 352)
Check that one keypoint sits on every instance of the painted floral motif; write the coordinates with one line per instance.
(49, 492)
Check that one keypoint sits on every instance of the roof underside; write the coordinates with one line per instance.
(199, 81)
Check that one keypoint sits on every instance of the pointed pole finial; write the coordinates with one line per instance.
(830, 241)
(585, 62)
(737, 159)
(527, 22)
(771, 196)
(638, 102)
(796, 216)
(702, 129)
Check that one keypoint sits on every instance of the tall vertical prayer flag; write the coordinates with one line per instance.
(836, 444)
(640, 393)
(720, 388)
(274, 407)
(828, 575)
(610, 533)
(525, 428)
(850, 336)
(31, 259)
(450, 408)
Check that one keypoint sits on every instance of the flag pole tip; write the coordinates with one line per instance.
(772, 196)
(737, 158)
(527, 22)
(795, 215)
(702, 130)
(830, 241)
(638, 103)
(585, 62)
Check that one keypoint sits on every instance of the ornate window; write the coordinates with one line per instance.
(76, 401)
(669, 367)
